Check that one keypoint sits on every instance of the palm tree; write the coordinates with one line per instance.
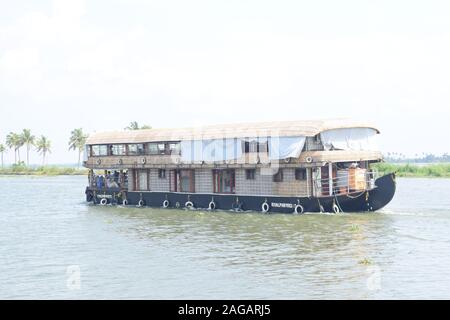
(77, 141)
(14, 141)
(43, 146)
(2, 151)
(28, 139)
(135, 126)
(10, 144)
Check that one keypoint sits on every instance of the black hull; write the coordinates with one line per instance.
(372, 200)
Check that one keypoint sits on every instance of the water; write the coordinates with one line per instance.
(53, 245)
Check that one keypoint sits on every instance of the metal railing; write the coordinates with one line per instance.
(347, 181)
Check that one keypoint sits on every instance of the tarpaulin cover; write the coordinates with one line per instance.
(358, 139)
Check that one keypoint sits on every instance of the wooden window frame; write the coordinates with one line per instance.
(162, 173)
(112, 146)
(191, 181)
(218, 174)
(249, 176)
(300, 176)
(248, 145)
(137, 149)
(99, 146)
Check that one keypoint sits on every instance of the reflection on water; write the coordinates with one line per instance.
(400, 252)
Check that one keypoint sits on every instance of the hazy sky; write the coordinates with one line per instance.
(101, 64)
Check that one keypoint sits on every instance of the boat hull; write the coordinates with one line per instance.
(371, 200)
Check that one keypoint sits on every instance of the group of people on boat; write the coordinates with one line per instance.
(115, 179)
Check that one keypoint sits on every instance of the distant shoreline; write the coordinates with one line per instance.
(407, 170)
(432, 170)
(43, 171)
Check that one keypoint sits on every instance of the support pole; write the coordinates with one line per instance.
(330, 178)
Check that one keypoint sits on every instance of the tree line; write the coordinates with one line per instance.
(396, 157)
(42, 145)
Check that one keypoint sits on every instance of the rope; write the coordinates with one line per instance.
(348, 196)
(338, 204)
(320, 206)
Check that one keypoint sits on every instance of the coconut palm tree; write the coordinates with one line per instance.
(2, 151)
(10, 144)
(135, 126)
(43, 146)
(28, 140)
(77, 141)
(14, 141)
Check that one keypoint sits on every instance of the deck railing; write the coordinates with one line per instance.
(346, 182)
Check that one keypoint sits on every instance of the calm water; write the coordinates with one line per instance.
(53, 245)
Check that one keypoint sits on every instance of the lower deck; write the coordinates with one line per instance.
(356, 201)
(320, 181)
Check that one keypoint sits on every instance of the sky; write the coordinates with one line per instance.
(100, 64)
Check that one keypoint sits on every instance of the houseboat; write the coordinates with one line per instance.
(271, 167)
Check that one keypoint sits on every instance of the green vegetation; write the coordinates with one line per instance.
(395, 157)
(441, 170)
(14, 141)
(135, 126)
(27, 139)
(43, 146)
(77, 141)
(22, 169)
(365, 262)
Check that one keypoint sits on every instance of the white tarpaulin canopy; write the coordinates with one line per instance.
(358, 139)
(286, 147)
(229, 149)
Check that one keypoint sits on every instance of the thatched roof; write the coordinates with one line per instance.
(241, 130)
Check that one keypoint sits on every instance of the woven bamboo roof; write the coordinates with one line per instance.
(240, 130)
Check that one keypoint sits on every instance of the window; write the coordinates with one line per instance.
(162, 173)
(300, 174)
(135, 149)
(182, 180)
(263, 147)
(255, 146)
(117, 150)
(224, 181)
(278, 177)
(153, 148)
(250, 174)
(174, 148)
(99, 150)
(159, 148)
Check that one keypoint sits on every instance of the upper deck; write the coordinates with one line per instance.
(291, 143)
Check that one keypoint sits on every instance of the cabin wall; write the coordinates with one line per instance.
(289, 186)
(261, 185)
(159, 184)
(204, 181)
